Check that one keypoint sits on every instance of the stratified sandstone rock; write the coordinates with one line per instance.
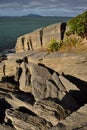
(52, 31)
(21, 55)
(39, 76)
(27, 122)
(58, 82)
(23, 80)
(40, 38)
(53, 91)
(50, 111)
(11, 63)
(73, 64)
(37, 57)
(44, 84)
(70, 63)
(76, 121)
(18, 100)
(68, 85)
(6, 127)
(9, 68)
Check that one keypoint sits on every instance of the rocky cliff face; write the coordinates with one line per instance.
(40, 38)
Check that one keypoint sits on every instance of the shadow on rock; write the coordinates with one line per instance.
(26, 97)
(82, 85)
(49, 69)
(79, 95)
(10, 79)
(25, 110)
(3, 106)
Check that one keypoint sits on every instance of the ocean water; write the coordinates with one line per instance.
(13, 27)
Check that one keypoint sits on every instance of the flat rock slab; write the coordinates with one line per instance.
(68, 85)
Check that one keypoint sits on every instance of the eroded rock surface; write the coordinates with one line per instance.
(76, 121)
(40, 38)
(50, 111)
(57, 90)
(27, 122)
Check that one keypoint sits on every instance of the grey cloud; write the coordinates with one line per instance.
(43, 3)
(43, 6)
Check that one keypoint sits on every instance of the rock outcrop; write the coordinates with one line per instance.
(76, 121)
(40, 38)
(53, 97)
(45, 83)
(48, 101)
(50, 111)
(71, 64)
(27, 122)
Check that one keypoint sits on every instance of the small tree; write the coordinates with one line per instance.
(78, 25)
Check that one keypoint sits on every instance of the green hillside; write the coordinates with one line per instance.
(78, 25)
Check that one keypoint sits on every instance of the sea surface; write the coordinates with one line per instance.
(13, 27)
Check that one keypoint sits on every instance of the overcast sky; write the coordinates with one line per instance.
(42, 7)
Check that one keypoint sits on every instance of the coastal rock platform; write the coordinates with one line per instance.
(54, 99)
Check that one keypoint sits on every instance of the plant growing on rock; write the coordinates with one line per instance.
(54, 45)
(72, 41)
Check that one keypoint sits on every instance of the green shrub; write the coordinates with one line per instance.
(73, 40)
(54, 45)
(68, 33)
(78, 25)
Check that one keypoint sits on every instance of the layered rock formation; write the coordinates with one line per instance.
(51, 100)
(76, 121)
(69, 63)
(40, 38)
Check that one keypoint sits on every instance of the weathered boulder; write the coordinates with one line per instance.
(24, 86)
(39, 76)
(53, 90)
(24, 121)
(44, 84)
(76, 121)
(9, 68)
